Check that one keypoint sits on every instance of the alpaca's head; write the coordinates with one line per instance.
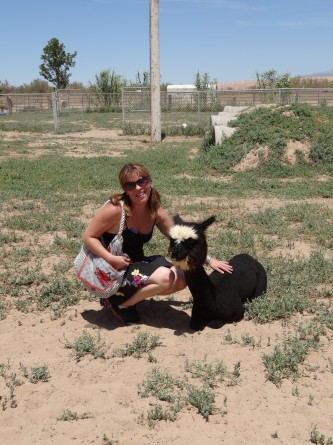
(188, 245)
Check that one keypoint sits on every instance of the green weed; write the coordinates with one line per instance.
(4, 308)
(209, 373)
(284, 361)
(158, 413)
(11, 382)
(87, 344)
(107, 441)
(143, 343)
(203, 399)
(319, 439)
(68, 416)
(39, 374)
(57, 295)
(178, 392)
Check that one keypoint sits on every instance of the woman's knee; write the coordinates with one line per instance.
(179, 284)
(163, 277)
(179, 281)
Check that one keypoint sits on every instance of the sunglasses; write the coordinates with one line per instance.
(141, 182)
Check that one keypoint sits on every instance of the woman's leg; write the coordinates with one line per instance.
(163, 281)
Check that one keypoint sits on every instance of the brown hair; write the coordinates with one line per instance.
(154, 201)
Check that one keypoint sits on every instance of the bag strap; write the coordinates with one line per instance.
(122, 220)
(122, 217)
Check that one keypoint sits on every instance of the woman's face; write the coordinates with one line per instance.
(137, 188)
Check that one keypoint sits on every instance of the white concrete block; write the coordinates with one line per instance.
(222, 132)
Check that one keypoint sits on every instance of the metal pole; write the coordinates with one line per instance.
(155, 89)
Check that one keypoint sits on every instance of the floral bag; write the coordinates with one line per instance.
(98, 275)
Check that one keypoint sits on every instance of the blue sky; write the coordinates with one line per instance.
(229, 39)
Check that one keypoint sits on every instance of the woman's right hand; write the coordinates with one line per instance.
(119, 262)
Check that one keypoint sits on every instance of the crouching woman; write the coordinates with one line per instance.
(145, 276)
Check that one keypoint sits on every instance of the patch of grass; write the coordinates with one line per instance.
(57, 295)
(291, 286)
(157, 414)
(272, 127)
(284, 360)
(209, 373)
(308, 222)
(68, 416)
(107, 441)
(4, 308)
(9, 238)
(39, 374)
(230, 340)
(203, 399)
(36, 373)
(319, 439)
(248, 340)
(23, 305)
(163, 386)
(178, 392)
(325, 317)
(143, 343)
(11, 382)
(269, 307)
(87, 344)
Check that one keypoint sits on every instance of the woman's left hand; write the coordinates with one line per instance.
(220, 266)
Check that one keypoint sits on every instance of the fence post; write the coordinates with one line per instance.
(199, 97)
(123, 107)
(55, 111)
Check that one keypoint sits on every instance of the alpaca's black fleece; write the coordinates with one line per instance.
(218, 296)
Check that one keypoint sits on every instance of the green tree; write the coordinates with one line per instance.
(208, 86)
(143, 81)
(107, 87)
(56, 63)
(203, 82)
(271, 79)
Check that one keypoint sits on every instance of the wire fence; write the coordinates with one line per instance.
(73, 110)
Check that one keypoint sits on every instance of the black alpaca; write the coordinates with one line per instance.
(216, 297)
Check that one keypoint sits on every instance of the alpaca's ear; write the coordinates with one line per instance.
(207, 222)
(177, 220)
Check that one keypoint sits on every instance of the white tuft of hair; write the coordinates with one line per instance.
(182, 233)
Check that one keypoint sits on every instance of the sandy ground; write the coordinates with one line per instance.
(251, 412)
(103, 392)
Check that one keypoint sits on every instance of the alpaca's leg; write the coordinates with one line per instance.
(196, 321)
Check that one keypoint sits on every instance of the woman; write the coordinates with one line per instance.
(145, 276)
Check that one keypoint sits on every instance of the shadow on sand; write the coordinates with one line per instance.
(158, 314)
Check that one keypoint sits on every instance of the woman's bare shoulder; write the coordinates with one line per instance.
(109, 209)
(108, 212)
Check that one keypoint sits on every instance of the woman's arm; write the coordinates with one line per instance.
(164, 222)
(106, 219)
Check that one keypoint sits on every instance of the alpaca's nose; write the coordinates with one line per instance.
(177, 253)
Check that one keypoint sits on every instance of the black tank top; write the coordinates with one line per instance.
(132, 242)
